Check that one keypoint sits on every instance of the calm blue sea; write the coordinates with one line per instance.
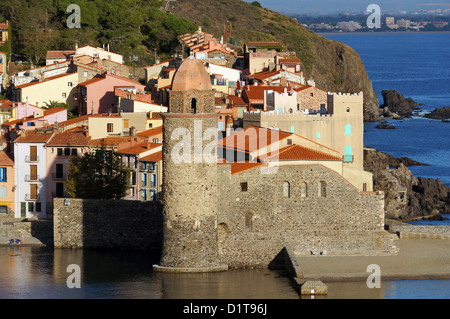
(417, 65)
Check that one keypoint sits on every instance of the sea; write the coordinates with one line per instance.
(417, 65)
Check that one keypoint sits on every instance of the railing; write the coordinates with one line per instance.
(31, 159)
(58, 176)
(60, 195)
(31, 197)
(31, 178)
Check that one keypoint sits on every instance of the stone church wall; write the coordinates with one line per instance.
(256, 224)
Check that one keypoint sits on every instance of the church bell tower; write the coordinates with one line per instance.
(190, 195)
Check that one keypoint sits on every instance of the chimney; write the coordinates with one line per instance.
(132, 131)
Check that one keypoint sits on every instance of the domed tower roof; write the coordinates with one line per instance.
(191, 75)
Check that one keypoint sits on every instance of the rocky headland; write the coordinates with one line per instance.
(396, 106)
(406, 196)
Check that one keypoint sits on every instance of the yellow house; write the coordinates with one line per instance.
(103, 125)
(60, 88)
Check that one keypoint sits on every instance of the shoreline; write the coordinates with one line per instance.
(417, 259)
(384, 32)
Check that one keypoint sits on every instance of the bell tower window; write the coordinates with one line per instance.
(194, 106)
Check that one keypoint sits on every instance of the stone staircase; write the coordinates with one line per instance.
(10, 229)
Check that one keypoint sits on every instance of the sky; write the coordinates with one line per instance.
(291, 7)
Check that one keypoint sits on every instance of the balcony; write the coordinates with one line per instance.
(31, 159)
(32, 197)
(58, 176)
(60, 195)
(32, 178)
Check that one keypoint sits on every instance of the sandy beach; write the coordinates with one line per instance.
(417, 259)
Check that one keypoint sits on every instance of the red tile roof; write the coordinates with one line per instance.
(34, 137)
(5, 159)
(297, 152)
(45, 80)
(264, 75)
(151, 132)
(155, 157)
(139, 148)
(59, 54)
(252, 139)
(256, 92)
(75, 137)
(114, 141)
(289, 61)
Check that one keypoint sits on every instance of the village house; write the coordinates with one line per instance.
(97, 94)
(97, 53)
(144, 178)
(60, 88)
(4, 30)
(53, 57)
(59, 149)
(30, 160)
(153, 135)
(126, 100)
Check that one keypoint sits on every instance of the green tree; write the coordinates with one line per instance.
(52, 104)
(100, 175)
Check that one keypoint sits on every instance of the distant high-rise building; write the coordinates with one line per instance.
(390, 20)
(402, 23)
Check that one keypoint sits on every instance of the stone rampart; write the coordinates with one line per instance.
(92, 223)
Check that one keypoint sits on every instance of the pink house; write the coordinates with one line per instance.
(41, 118)
(96, 95)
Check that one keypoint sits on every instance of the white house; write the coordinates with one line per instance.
(30, 174)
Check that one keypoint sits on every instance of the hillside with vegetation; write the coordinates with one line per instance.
(140, 28)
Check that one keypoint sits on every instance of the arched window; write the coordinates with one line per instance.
(322, 189)
(194, 105)
(286, 190)
(348, 154)
(348, 129)
(3, 192)
(304, 190)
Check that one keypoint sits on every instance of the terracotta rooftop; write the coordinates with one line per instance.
(263, 44)
(264, 75)
(45, 80)
(256, 92)
(59, 54)
(252, 139)
(4, 26)
(34, 137)
(155, 157)
(114, 141)
(239, 167)
(151, 132)
(75, 137)
(139, 148)
(5, 159)
(297, 152)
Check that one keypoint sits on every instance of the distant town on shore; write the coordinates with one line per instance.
(432, 21)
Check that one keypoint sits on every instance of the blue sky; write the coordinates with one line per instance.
(333, 6)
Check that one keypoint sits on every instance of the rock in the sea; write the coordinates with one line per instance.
(396, 104)
(385, 126)
(439, 113)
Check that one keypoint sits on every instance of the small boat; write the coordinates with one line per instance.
(446, 121)
(16, 241)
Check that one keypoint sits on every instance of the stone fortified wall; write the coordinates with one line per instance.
(92, 223)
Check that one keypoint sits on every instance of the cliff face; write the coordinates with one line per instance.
(334, 66)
